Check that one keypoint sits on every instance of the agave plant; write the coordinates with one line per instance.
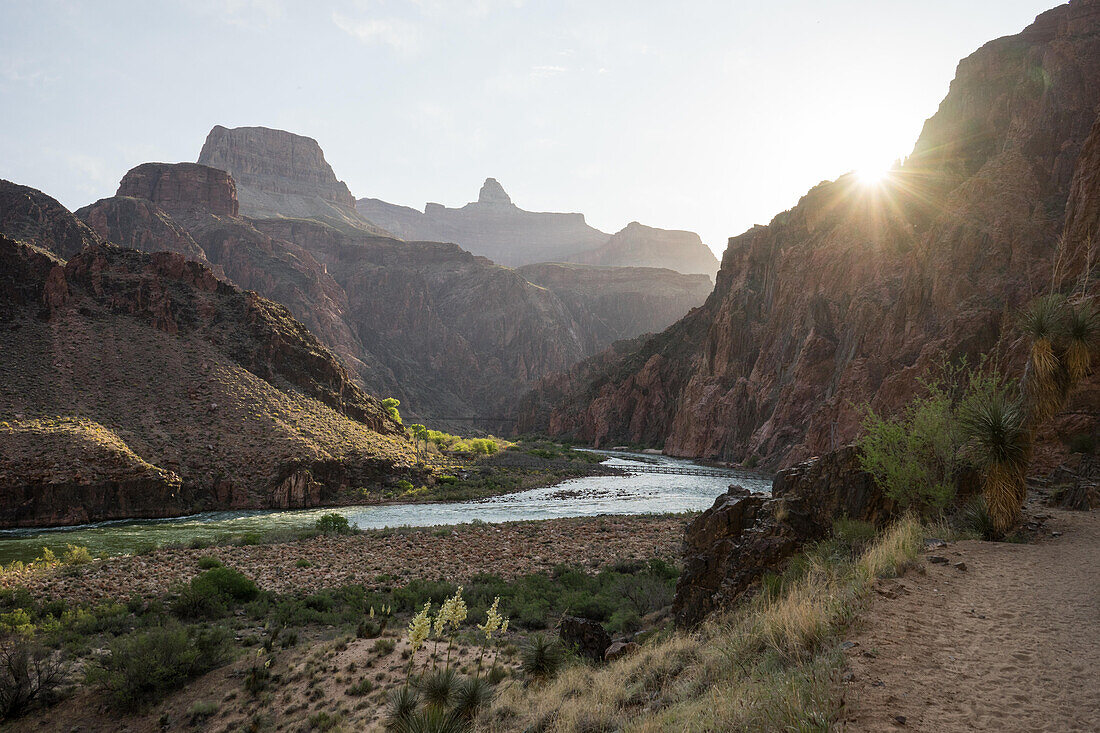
(1046, 381)
(1082, 330)
(999, 442)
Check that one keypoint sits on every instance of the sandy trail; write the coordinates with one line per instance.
(1010, 644)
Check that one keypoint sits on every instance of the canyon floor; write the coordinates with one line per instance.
(1011, 643)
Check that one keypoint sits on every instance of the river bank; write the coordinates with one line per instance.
(374, 558)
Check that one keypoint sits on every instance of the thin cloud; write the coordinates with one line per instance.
(398, 34)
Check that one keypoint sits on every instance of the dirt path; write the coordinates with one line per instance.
(1012, 643)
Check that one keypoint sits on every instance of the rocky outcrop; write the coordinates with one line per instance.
(492, 226)
(191, 394)
(614, 303)
(282, 175)
(853, 294)
(730, 546)
(139, 223)
(183, 189)
(27, 215)
(637, 245)
(587, 637)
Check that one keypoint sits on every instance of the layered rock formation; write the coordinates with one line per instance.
(853, 294)
(492, 226)
(136, 384)
(498, 229)
(281, 175)
(637, 245)
(614, 303)
(452, 335)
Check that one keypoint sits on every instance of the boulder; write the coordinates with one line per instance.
(619, 649)
(588, 637)
(731, 545)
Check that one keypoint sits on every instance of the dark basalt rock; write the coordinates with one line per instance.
(586, 636)
(731, 545)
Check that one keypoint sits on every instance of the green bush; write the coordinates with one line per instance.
(206, 562)
(334, 524)
(140, 669)
(227, 583)
(541, 657)
(390, 404)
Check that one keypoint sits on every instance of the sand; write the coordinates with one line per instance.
(1010, 644)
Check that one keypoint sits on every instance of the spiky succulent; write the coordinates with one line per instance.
(1082, 333)
(999, 442)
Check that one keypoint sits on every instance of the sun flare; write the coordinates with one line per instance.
(872, 175)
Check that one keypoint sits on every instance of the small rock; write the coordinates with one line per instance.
(1055, 534)
(849, 644)
(931, 543)
(937, 560)
(900, 719)
(619, 649)
(960, 566)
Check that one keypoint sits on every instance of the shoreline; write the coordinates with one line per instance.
(373, 558)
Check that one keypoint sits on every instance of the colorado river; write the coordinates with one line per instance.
(641, 493)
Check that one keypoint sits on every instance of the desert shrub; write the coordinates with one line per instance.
(390, 404)
(384, 647)
(333, 524)
(194, 603)
(76, 555)
(228, 583)
(28, 673)
(257, 679)
(206, 562)
(360, 688)
(302, 563)
(974, 518)
(916, 456)
(201, 710)
(141, 668)
(404, 485)
(853, 535)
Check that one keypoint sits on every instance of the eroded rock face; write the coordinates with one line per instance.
(29, 215)
(138, 223)
(492, 226)
(191, 394)
(614, 303)
(731, 545)
(637, 245)
(853, 294)
(281, 174)
(182, 189)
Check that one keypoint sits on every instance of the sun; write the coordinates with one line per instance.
(872, 175)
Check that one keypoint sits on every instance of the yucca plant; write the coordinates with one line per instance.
(473, 695)
(1082, 331)
(439, 688)
(542, 657)
(1045, 382)
(999, 442)
(404, 702)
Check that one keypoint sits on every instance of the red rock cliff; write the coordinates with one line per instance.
(850, 295)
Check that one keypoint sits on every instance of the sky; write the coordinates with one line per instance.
(706, 116)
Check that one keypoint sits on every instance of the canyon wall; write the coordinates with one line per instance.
(138, 384)
(852, 295)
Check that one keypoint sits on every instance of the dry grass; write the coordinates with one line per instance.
(771, 664)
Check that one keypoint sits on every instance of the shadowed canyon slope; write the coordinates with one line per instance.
(495, 227)
(137, 384)
(853, 293)
(452, 335)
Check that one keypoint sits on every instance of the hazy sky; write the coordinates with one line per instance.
(709, 116)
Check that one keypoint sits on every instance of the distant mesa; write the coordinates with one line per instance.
(496, 228)
(282, 175)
